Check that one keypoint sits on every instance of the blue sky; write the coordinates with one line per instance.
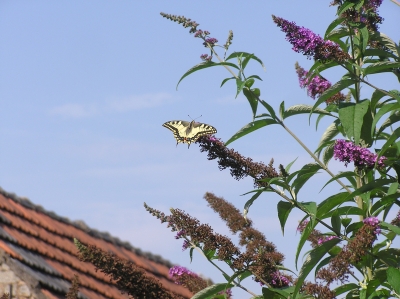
(86, 85)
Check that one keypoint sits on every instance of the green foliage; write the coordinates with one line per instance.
(367, 191)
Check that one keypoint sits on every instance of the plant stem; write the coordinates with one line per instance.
(324, 167)
(222, 271)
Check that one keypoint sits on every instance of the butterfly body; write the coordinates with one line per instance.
(188, 132)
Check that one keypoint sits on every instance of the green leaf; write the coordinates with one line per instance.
(212, 290)
(311, 208)
(329, 133)
(383, 202)
(370, 186)
(331, 202)
(306, 172)
(336, 222)
(344, 211)
(287, 168)
(252, 100)
(249, 83)
(282, 109)
(245, 54)
(239, 86)
(251, 127)
(303, 238)
(313, 258)
(302, 109)
(387, 42)
(323, 263)
(392, 119)
(382, 111)
(376, 96)
(380, 53)
(345, 174)
(328, 152)
(379, 67)
(249, 203)
(226, 80)
(345, 288)
(268, 107)
(209, 254)
(191, 254)
(334, 89)
(333, 25)
(395, 134)
(345, 6)
(364, 36)
(246, 61)
(284, 209)
(390, 227)
(270, 293)
(205, 65)
(351, 116)
(254, 76)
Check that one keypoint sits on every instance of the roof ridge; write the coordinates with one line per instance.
(80, 224)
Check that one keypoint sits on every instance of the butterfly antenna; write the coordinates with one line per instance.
(195, 118)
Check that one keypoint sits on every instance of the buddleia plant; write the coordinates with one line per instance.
(343, 228)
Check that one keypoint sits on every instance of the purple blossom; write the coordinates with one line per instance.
(309, 43)
(198, 33)
(180, 234)
(278, 280)
(347, 151)
(325, 239)
(373, 221)
(315, 86)
(210, 41)
(205, 57)
(185, 245)
(176, 271)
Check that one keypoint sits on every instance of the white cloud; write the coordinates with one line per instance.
(136, 102)
(74, 110)
(124, 104)
(231, 100)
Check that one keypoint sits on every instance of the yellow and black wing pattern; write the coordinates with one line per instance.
(188, 132)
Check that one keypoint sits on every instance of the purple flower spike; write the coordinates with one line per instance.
(347, 151)
(278, 280)
(373, 221)
(308, 43)
(179, 271)
(325, 239)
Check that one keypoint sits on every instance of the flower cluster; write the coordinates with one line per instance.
(240, 166)
(396, 220)
(261, 256)
(347, 151)
(316, 238)
(279, 280)
(366, 14)
(325, 239)
(316, 86)
(192, 281)
(74, 288)
(373, 221)
(182, 20)
(205, 57)
(340, 266)
(128, 277)
(310, 44)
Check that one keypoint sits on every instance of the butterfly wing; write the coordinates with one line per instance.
(188, 132)
(178, 127)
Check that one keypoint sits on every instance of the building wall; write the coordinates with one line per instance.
(9, 281)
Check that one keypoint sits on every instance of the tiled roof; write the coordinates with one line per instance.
(40, 244)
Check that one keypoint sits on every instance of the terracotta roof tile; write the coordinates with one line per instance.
(41, 243)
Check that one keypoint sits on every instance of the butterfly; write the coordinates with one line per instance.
(188, 132)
